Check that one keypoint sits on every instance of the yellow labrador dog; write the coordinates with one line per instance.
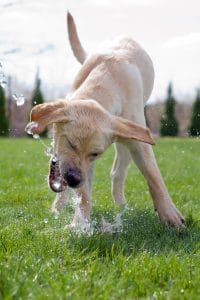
(106, 106)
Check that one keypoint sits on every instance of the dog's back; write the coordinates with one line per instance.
(122, 50)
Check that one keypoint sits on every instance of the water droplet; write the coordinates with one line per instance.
(49, 151)
(20, 99)
(2, 80)
(3, 84)
(36, 136)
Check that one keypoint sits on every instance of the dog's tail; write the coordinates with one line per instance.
(75, 43)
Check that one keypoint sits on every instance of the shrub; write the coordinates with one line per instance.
(4, 124)
(194, 129)
(169, 124)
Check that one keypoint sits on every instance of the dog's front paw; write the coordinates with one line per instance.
(169, 214)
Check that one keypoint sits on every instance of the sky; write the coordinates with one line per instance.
(33, 34)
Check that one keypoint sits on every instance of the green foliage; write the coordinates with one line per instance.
(37, 97)
(169, 124)
(194, 129)
(40, 259)
(4, 124)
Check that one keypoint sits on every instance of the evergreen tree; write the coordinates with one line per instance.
(194, 129)
(37, 97)
(169, 124)
(4, 124)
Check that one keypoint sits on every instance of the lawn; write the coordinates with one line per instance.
(40, 259)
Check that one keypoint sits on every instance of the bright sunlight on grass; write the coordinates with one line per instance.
(39, 259)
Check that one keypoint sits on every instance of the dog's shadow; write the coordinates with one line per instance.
(141, 231)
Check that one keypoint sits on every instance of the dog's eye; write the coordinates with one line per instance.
(95, 154)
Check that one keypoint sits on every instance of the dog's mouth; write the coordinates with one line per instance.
(56, 181)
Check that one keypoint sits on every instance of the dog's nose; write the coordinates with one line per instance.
(73, 178)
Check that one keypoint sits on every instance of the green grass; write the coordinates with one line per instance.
(39, 259)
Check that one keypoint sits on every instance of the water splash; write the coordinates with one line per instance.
(36, 136)
(116, 226)
(30, 127)
(19, 99)
(79, 224)
(82, 226)
(49, 152)
(55, 184)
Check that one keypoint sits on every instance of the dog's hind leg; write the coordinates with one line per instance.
(118, 173)
(144, 157)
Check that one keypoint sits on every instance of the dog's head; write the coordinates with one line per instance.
(82, 131)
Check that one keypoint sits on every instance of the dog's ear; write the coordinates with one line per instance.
(125, 129)
(44, 114)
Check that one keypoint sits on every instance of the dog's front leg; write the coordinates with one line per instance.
(144, 157)
(59, 202)
(84, 204)
(82, 208)
(81, 219)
